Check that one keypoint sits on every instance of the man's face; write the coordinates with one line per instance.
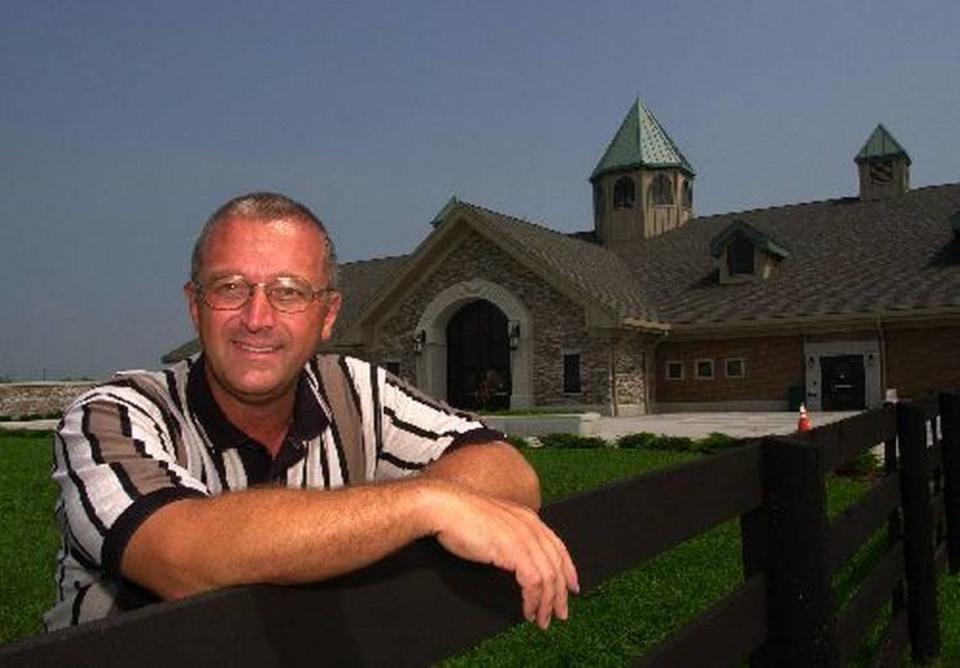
(254, 354)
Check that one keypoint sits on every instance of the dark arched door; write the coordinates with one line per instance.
(478, 358)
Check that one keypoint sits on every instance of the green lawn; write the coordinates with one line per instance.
(613, 625)
(29, 539)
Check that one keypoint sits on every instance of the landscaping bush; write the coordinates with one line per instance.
(641, 439)
(672, 443)
(572, 441)
(717, 442)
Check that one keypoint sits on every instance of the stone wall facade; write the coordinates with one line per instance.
(40, 398)
(559, 326)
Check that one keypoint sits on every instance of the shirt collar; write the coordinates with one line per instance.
(309, 417)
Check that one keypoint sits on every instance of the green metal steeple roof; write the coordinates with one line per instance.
(881, 144)
(640, 142)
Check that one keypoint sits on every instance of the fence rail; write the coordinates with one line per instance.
(422, 604)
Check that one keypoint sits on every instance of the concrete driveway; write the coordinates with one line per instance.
(694, 425)
(698, 425)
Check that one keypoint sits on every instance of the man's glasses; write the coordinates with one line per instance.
(287, 294)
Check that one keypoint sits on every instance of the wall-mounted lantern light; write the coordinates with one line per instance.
(871, 359)
(811, 362)
(514, 334)
(419, 341)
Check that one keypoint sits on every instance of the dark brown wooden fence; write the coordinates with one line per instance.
(421, 604)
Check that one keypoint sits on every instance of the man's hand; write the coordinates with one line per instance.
(511, 537)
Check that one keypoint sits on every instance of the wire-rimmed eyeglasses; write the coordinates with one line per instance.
(287, 294)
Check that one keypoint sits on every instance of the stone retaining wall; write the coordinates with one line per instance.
(39, 398)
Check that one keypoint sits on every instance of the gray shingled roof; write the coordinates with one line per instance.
(847, 257)
(598, 272)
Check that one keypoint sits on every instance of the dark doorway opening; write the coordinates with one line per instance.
(478, 358)
(843, 381)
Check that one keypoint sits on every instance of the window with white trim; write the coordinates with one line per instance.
(571, 373)
(734, 367)
(703, 369)
(674, 370)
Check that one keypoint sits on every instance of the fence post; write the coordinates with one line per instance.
(755, 550)
(801, 623)
(950, 426)
(894, 530)
(918, 533)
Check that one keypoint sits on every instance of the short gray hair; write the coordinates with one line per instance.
(263, 207)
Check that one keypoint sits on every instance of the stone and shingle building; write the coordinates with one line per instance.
(833, 303)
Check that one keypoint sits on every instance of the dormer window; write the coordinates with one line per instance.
(661, 190)
(624, 193)
(745, 253)
(740, 260)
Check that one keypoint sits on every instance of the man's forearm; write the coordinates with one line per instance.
(275, 535)
(494, 468)
(483, 513)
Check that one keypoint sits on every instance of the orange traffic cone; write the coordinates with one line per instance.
(804, 424)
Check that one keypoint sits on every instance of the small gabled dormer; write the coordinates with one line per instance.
(884, 166)
(745, 253)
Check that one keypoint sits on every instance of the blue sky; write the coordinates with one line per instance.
(124, 124)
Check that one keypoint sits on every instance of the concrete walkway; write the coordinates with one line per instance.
(698, 425)
(694, 425)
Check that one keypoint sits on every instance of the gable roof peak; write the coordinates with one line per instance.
(445, 210)
(640, 141)
(881, 144)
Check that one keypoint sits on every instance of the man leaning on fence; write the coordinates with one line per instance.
(258, 461)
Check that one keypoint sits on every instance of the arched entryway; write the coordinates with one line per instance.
(478, 358)
(431, 332)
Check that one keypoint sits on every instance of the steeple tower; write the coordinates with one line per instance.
(884, 166)
(642, 186)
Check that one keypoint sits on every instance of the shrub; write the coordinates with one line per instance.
(717, 442)
(640, 439)
(672, 443)
(518, 442)
(572, 441)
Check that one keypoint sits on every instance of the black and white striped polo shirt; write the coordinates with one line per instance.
(145, 439)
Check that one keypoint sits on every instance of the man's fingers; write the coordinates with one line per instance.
(547, 553)
(513, 538)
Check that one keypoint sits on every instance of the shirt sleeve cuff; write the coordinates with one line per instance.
(130, 520)
(474, 437)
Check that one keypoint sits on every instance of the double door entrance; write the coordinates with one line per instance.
(478, 358)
